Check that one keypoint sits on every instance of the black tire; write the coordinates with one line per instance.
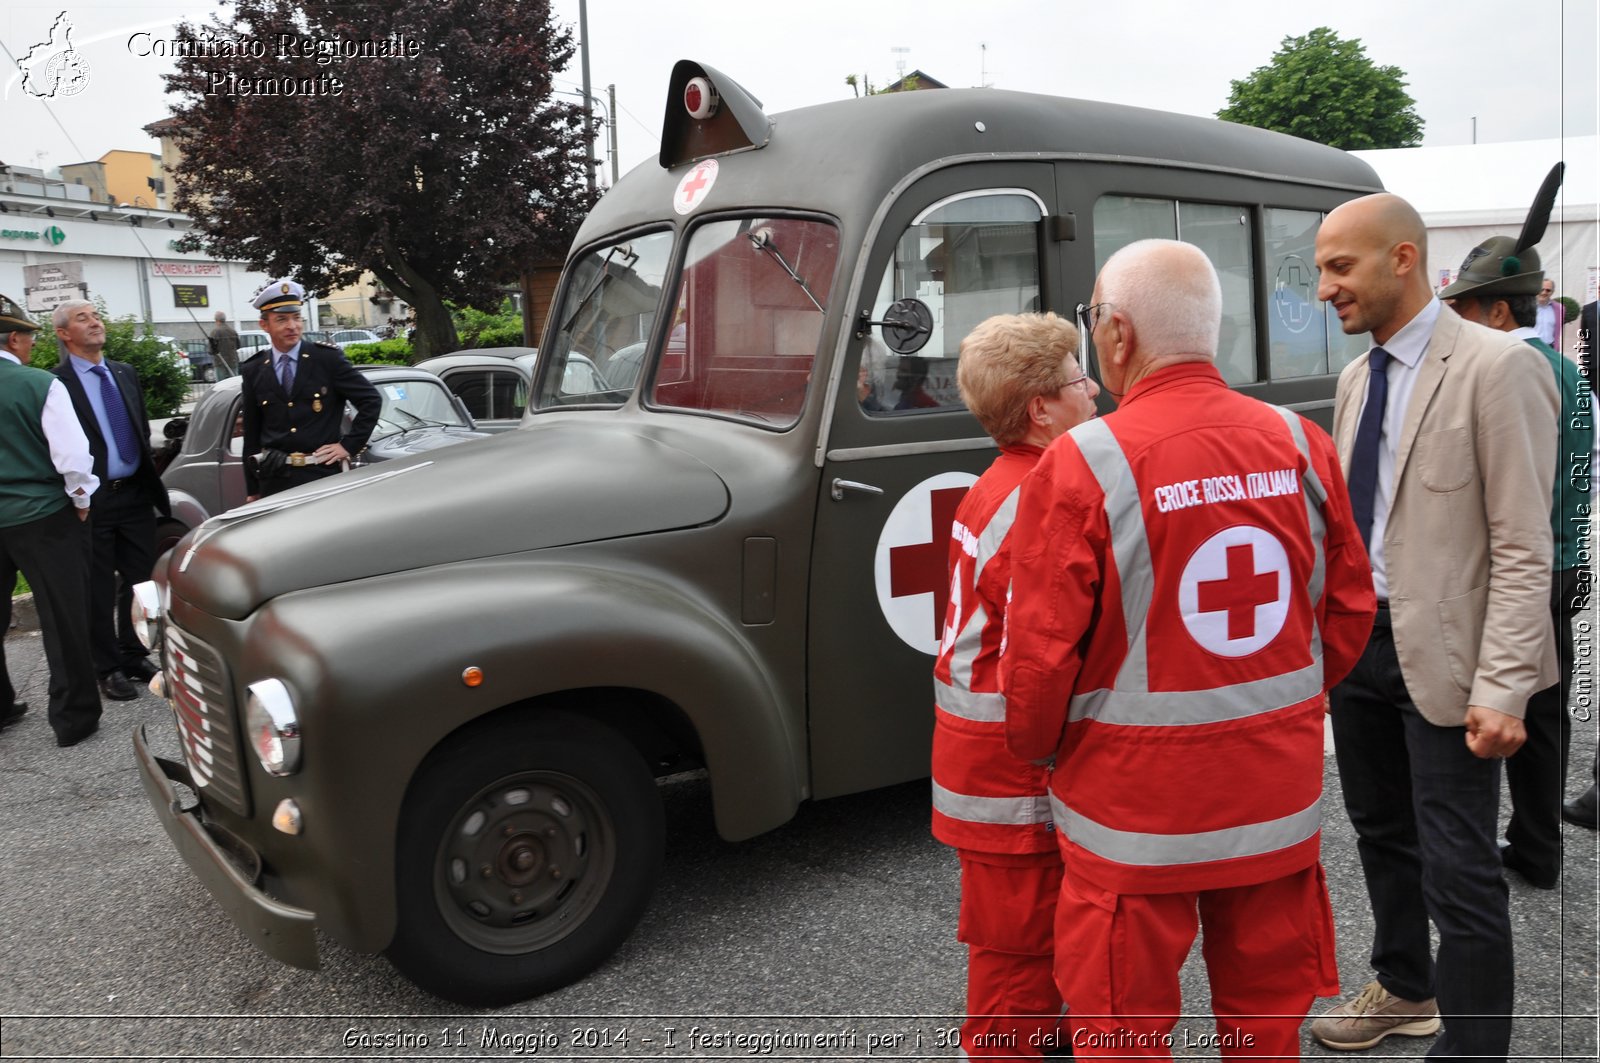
(526, 853)
(168, 532)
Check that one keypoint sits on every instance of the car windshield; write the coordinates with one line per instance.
(610, 304)
(409, 404)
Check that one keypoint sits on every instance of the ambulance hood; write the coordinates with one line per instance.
(543, 485)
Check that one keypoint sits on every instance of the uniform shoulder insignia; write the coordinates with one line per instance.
(260, 354)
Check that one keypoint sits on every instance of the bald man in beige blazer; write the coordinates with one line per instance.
(1458, 503)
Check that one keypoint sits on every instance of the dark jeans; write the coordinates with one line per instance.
(1424, 812)
(1536, 774)
(122, 531)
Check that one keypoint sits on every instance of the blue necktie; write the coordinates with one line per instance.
(1364, 459)
(117, 414)
(286, 373)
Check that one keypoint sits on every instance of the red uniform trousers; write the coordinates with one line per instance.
(1008, 907)
(1268, 949)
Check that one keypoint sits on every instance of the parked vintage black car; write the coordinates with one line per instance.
(207, 476)
(493, 381)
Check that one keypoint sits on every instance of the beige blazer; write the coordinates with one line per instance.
(1467, 548)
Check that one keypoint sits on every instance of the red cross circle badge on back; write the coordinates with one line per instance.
(1234, 592)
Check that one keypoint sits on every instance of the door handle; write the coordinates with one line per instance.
(841, 486)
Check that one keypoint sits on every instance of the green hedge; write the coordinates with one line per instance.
(384, 352)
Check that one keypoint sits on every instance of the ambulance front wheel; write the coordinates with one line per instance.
(527, 852)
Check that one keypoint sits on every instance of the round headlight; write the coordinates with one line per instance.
(273, 727)
(147, 613)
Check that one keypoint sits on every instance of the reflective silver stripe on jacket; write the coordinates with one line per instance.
(969, 642)
(1315, 495)
(1184, 708)
(1130, 546)
(959, 701)
(1165, 850)
(1010, 811)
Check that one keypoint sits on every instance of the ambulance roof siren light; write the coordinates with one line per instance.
(700, 99)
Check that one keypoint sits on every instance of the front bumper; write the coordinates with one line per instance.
(227, 867)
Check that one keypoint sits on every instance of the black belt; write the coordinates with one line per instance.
(1382, 618)
(117, 485)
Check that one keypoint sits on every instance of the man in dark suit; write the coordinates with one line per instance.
(294, 396)
(110, 406)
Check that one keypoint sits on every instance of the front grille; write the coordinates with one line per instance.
(202, 701)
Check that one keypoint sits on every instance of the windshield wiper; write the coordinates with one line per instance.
(421, 422)
(762, 239)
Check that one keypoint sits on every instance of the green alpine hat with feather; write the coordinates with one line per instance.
(1502, 266)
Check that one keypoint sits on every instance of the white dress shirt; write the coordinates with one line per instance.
(1406, 349)
(69, 447)
(1544, 319)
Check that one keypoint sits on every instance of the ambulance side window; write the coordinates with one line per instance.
(1223, 232)
(1304, 336)
(968, 258)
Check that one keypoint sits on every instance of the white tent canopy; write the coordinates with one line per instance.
(1467, 193)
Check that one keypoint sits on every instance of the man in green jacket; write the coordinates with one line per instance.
(46, 478)
(1499, 286)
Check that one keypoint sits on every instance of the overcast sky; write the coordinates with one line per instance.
(1524, 70)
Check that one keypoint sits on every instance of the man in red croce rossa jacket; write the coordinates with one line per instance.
(1019, 376)
(1187, 583)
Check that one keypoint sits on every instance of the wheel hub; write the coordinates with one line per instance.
(516, 867)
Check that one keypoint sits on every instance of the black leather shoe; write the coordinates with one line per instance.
(13, 714)
(1583, 810)
(71, 736)
(1539, 880)
(140, 671)
(115, 686)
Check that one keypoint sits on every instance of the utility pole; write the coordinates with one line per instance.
(588, 108)
(611, 116)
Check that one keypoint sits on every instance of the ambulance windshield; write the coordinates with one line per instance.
(610, 305)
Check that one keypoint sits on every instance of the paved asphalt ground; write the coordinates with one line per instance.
(840, 923)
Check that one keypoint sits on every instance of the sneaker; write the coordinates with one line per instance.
(1373, 1014)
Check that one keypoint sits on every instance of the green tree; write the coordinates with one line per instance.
(164, 381)
(445, 167)
(1322, 88)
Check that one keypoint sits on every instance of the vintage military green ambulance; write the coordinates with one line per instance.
(423, 706)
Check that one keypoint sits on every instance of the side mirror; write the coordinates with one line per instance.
(906, 325)
(176, 428)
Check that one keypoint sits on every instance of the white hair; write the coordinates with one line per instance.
(1170, 291)
(64, 311)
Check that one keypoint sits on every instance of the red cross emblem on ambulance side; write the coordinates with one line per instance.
(1234, 593)
(911, 569)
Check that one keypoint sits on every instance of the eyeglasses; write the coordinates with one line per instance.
(1082, 378)
(1089, 316)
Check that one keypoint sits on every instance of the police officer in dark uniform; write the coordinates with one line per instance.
(294, 396)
